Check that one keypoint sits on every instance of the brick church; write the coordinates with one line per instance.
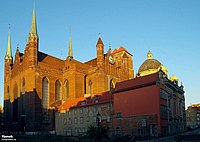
(35, 83)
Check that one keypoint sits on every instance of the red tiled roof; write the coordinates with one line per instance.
(97, 99)
(56, 104)
(74, 103)
(115, 50)
(121, 48)
(70, 103)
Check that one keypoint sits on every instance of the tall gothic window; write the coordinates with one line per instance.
(58, 90)
(85, 84)
(90, 87)
(67, 89)
(8, 92)
(23, 96)
(174, 107)
(23, 85)
(15, 91)
(45, 93)
(111, 84)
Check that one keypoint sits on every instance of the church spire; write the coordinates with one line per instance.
(9, 50)
(70, 53)
(33, 30)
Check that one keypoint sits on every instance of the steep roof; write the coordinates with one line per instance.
(50, 60)
(33, 30)
(9, 49)
(121, 48)
(92, 62)
(100, 41)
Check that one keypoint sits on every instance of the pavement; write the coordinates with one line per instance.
(172, 138)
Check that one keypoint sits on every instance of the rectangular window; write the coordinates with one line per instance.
(169, 102)
(84, 102)
(163, 94)
(119, 115)
(75, 120)
(108, 118)
(108, 107)
(76, 131)
(94, 118)
(69, 121)
(174, 107)
(81, 120)
(163, 112)
(95, 109)
(99, 108)
(87, 109)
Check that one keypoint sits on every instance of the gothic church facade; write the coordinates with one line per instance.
(35, 83)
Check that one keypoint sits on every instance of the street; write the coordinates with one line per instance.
(173, 138)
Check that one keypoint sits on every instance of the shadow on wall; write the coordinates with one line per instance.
(26, 114)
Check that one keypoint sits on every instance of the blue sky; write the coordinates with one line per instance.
(169, 28)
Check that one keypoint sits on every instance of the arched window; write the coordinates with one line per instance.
(15, 91)
(112, 85)
(45, 93)
(85, 84)
(67, 89)
(90, 87)
(8, 92)
(58, 90)
(23, 85)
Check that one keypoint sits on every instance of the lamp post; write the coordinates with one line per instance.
(98, 121)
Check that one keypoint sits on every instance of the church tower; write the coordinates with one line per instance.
(33, 39)
(100, 52)
(8, 60)
(125, 67)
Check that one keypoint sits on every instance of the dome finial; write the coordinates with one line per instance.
(149, 55)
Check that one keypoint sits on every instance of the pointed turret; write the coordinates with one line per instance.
(33, 30)
(100, 41)
(100, 52)
(70, 52)
(9, 50)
